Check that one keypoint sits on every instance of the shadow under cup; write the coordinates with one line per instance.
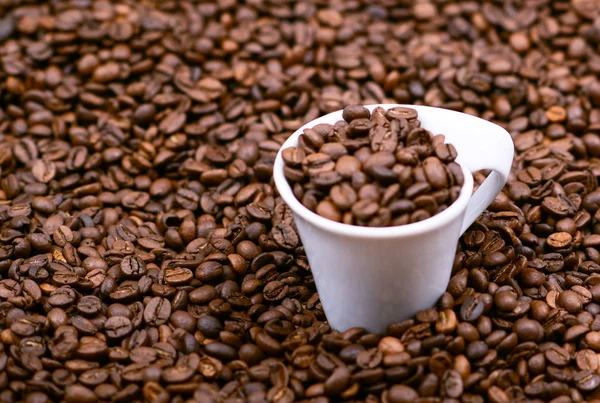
(372, 277)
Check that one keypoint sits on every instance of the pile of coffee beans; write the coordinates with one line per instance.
(146, 256)
(377, 170)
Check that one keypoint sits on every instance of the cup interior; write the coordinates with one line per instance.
(429, 116)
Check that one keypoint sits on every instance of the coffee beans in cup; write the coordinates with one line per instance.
(376, 169)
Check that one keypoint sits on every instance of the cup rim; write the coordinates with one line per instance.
(347, 230)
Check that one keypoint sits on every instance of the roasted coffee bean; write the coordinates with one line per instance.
(402, 394)
(157, 311)
(133, 267)
(353, 112)
(117, 327)
(528, 330)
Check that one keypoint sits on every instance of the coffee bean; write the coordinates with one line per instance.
(347, 165)
(471, 309)
(555, 206)
(570, 301)
(209, 326)
(452, 384)
(43, 171)
(209, 271)
(268, 344)
(89, 305)
(353, 112)
(557, 356)
(528, 330)
(62, 297)
(203, 295)
(177, 374)
(334, 150)
(586, 360)
(369, 359)
(293, 157)
(78, 393)
(285, 236)
(338, 381)
(401, 112)
(316, 163)
(178, 276)
(117, 327)
(402, 394)
(343, 196)
(328, 210)
(436, 175)
(157, 311)
(446, 152)
(221, 351)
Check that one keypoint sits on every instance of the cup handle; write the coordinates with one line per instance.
(493, 151)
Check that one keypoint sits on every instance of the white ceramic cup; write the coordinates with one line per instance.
(372, 277)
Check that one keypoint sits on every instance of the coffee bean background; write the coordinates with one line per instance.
(145, 255)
